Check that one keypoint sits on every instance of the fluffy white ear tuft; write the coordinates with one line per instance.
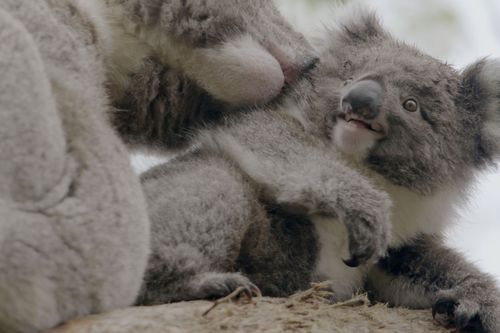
(490, 76)
(490, 72)
(359, 23)
(481, 98)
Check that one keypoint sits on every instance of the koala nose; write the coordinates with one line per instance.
(364, 99)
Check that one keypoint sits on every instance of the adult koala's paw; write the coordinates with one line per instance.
(468, 314)
(245, 54)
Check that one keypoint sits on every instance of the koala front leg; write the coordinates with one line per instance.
(305, 175)
(425, 273)
(326, 187)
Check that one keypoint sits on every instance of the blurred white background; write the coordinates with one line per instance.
(458, 32)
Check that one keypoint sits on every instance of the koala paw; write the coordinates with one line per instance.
(368, 229)
(217, 285)
(468, 315)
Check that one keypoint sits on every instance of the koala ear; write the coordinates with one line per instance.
(359, 25)
(480, 96)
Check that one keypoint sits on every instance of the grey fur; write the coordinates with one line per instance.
(437, 277)
(211, 243)
(282, 167)
(74, 228)
(186, 74)
(74, 231)
(163, 108)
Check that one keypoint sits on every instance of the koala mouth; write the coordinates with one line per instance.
(359, 122)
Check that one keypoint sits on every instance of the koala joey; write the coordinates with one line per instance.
(352, 177)
(74, 230)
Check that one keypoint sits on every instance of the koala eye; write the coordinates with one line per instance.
(348, 81)
(410, 105)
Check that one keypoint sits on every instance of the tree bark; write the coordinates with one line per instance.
(304, 312)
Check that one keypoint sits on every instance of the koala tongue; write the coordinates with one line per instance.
(358, 124)
(377, 127)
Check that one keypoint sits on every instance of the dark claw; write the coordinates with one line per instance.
(255, 291)
(247, 293)
(251, 291)
(353, 262)
(445, 305)
(462, 322)
(465, 324)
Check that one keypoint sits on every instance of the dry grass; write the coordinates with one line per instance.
(307, 311)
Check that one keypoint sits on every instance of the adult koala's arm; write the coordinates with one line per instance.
(241, 52)
(305, 175)
(177, 64)
(162, 108)
(426, 273)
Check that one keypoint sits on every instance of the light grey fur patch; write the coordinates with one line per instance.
(75, 233)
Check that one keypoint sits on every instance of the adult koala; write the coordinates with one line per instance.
(74, 232)
(301, 192)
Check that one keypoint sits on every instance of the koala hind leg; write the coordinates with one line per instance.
(201, 208)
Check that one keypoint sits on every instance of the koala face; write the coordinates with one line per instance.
(410, 117)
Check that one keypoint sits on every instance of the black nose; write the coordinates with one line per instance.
(364, 98)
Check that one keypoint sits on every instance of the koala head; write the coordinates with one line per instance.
(241, 52)
(411, 118)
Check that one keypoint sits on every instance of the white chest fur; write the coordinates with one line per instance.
(333, 244)
(415, 214)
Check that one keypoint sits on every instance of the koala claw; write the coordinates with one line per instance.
(468, 316)
(218, 285)
(352, 262)
(368, 240)
(444, 306)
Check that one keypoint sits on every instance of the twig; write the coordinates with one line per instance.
(232, 296)
(356, 301)
(318, 289)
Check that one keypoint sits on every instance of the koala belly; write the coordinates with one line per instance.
(333, 247)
